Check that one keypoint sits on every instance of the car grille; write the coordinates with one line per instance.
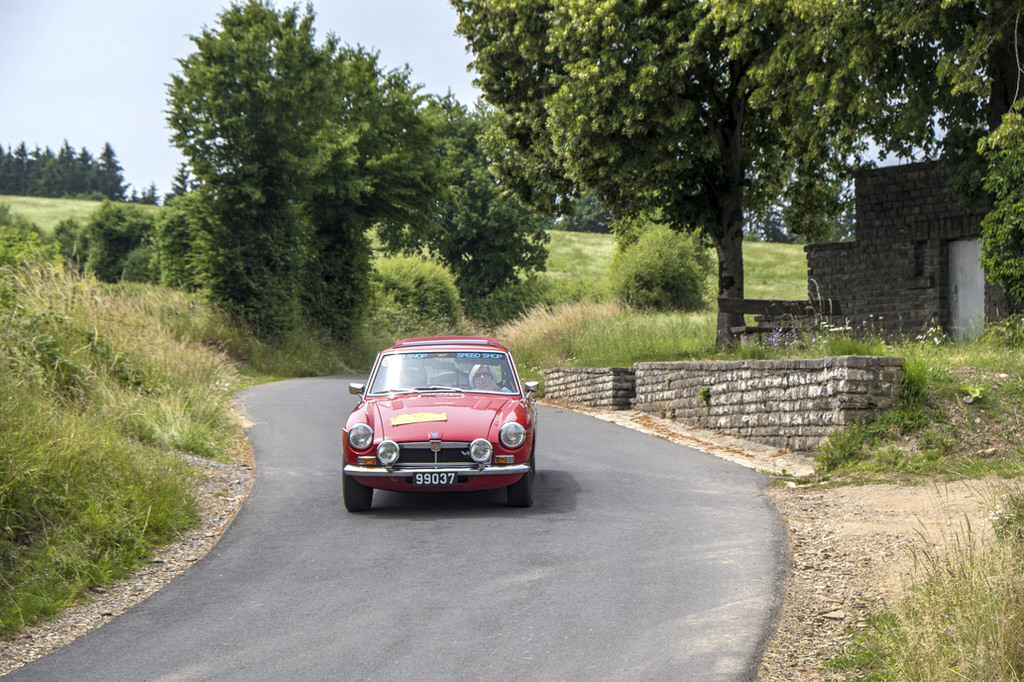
(415, 455)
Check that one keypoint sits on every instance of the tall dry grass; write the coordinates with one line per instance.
(101, 389)
(603, 335)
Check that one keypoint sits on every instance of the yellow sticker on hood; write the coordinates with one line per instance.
(418, 417)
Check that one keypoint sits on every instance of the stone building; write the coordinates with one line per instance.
(913, 265)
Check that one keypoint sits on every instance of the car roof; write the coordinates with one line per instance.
(448, 341)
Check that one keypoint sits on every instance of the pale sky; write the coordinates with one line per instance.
(96, 71)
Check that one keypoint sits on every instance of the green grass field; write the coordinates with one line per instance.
(45, 213)
(775, 270)
(580, 254)
(582, 259)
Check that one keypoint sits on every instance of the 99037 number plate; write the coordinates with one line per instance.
(433, 478)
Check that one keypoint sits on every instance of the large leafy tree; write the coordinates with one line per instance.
(662, 107)
(375, 163)
(244, 111)
(487, 238)
(296, 149)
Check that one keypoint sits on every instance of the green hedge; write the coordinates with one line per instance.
(412, 295)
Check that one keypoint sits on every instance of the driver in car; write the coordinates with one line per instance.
(482, 377)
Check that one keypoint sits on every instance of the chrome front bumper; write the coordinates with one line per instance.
(490, 470)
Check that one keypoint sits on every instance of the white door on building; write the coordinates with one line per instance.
(966, 290)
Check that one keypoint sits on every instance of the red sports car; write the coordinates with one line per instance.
(442, 414)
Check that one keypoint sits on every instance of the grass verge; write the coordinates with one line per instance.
(604, 335)
(102, 389)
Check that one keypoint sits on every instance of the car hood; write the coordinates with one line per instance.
(446, 417)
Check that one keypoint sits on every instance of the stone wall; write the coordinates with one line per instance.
(610, 388)
(792, 404)
(894, 278)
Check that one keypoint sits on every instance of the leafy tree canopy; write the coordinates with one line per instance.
(484, 236)
(376, 164)
(656, 107)
(296, 148)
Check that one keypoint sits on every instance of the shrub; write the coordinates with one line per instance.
(139, 265)
(663, 270)
(114, 231)
(70, 238)
(1008, 333)
(412, 293)
(177, 230)
(16, 247)
(507, 302)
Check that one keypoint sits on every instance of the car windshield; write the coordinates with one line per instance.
(488, 371)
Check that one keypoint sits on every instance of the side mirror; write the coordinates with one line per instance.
(531, 388)
(356, 389)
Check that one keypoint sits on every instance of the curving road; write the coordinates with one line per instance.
(640, 559)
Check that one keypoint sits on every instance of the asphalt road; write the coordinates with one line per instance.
(640, 560)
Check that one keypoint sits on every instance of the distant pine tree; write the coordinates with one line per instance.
(111, 181)
(68, 173)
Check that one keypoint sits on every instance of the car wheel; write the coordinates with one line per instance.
(520, 493)
(358, 497)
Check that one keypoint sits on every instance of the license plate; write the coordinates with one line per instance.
(434, 478)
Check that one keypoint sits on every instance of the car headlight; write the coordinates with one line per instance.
(387, 452)
(480, 451)
(512, 434)
(360, 436)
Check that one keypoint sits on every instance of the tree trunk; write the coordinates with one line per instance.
(1003, 70)
(730, 218)
(730, 266)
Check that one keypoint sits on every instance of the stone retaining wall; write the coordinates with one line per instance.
(792, 404)
(610, 388)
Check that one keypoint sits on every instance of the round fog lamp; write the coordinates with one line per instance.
(387, 452)
(480, 450)
(512, 434)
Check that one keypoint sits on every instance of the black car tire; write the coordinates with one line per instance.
(520, 493)
(358, 497)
